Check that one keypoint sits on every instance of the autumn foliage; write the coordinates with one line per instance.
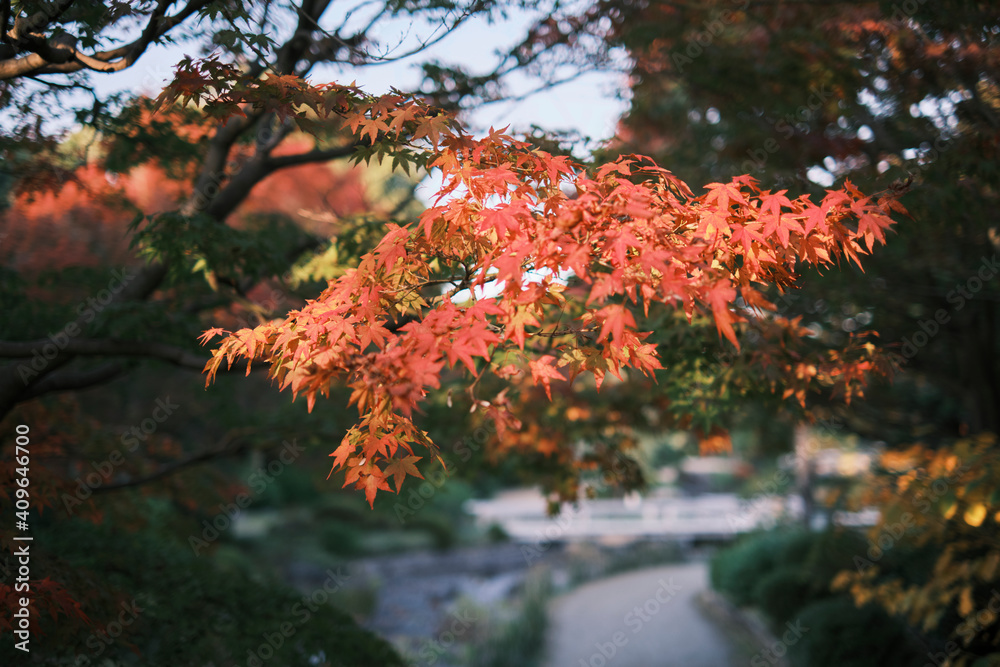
(944, 501)
(480, 282)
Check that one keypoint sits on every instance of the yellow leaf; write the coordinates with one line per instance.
(843, 579)
(974, 515)
(950, 512)
(904, 482)
(965, 601)
(989, 567)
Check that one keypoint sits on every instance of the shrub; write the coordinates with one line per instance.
(783, 592)
(440, 529)
(340, 538)
(838, 634)
(736, 571)
(521, 641)
(192, 611)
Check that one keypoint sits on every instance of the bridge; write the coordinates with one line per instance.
(716, 517)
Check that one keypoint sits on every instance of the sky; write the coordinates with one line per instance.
(590, 105)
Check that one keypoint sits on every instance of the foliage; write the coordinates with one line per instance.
(502, 219)
(738, 569)
(881, 93)
(531, 273)
(520, 640)
(235, 611)
(788, 575)
(944, 501)
(842, 634)
(625, 238)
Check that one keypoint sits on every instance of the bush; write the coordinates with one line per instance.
(831, 552)
(788, 576)
(838, 634)
(192, 611)
(783, 592)
(441, 530)
(521, 641)
(737, 571)
(340, 539)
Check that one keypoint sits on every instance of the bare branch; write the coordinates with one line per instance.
(319, 155)
(232, 443)
(105, 347)
(67, 380)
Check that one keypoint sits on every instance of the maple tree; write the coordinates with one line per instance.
(632, 232)
(531, 273)
(502, 219)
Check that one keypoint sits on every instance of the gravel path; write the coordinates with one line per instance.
(646, 618)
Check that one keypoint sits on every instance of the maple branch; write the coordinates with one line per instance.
(137, 287)
(239, 186)
(66, 380)
(272, 164)
(63, 58)
(558, 332)
(104, 347)
(213, 166)
(230, 444)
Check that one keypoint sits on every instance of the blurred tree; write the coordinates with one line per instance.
(797, 94)
(802, 95)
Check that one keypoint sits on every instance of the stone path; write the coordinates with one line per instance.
(646, 618)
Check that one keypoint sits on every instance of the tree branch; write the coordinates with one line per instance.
(272, 164)
(67, 380)
(4, 20)
(68, 59)
(105, 347)
(226, 447)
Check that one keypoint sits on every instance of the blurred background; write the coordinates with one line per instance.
(178, 524)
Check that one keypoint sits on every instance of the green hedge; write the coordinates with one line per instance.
(193, 611)
(839, 634)
(788, 576)
(738, 570)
